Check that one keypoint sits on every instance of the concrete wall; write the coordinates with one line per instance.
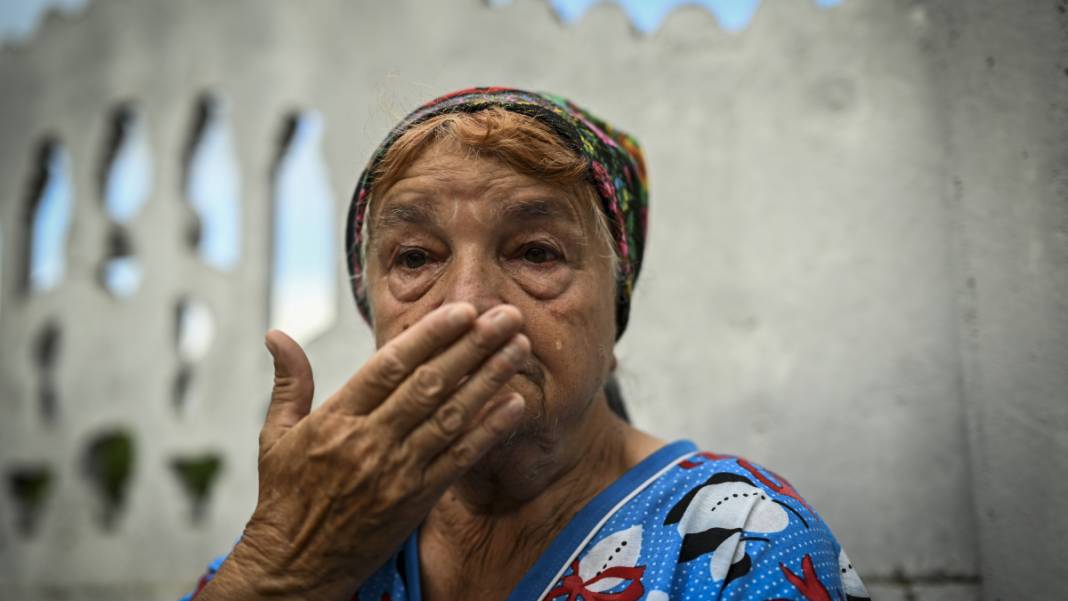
(1006, 109)
(856, 272)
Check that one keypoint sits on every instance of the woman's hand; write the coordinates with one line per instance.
(340, 488)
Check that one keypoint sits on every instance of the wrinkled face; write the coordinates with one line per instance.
(456, 227)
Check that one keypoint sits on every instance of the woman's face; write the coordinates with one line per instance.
(456, 227)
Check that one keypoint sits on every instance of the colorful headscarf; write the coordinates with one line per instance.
(616, 171)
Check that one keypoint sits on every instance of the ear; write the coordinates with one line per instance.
(697, 544)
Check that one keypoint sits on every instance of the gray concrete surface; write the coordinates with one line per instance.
(856, 275)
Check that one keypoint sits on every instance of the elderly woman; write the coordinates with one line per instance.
(494, 241)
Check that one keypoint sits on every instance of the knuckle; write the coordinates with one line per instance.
(427, 384)
(401, 456)
(483, 340)
(396, 493)
(500, 371)
(365, 446)
(288, 386)
(449, 420)
(463, 455)
(391, 369)
(428, 380)
(324, 445)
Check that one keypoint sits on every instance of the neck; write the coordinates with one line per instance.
(502, 516)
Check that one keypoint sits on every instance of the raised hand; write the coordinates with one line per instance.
(340, 488)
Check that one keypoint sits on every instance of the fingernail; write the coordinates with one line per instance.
(512, 353)
(503, 318)
(514, 406)
(508, 413)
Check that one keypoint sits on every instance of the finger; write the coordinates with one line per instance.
(422, 393)
(398, 358)
(294, 387)
(465, 453)
(455, 416)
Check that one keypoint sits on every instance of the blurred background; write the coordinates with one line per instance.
(857, 271)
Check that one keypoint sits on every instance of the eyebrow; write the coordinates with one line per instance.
(419, 211)
(406, 212)
(538, 208)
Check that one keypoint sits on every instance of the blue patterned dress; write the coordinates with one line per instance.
(680, 525)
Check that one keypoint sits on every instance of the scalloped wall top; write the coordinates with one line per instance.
(19, 19)
(647, 15)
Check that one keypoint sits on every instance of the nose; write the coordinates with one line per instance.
(475, 278)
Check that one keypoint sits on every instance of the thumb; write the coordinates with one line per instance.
(291, 397)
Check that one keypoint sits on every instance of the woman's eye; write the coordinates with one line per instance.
(539, 254)
(412, 259)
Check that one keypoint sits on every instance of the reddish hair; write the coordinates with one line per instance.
(523, 143)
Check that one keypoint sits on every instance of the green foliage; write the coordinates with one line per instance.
(109, 463)
(30, 487)
(197, 474)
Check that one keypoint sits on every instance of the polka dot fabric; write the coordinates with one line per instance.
(616, 171)
(672, 541)
(682, 525)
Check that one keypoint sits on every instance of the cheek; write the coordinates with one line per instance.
(542, 282)
(409, 287)
(573, 336)
(391, 315)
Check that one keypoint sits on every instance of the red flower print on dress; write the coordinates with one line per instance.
(607, 566)
(689, 464)
(782, 486)
(808, 585)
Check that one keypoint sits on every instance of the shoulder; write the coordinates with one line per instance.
(741, 483)
(727, 491)
(720, 526)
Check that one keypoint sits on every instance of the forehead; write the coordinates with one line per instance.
(445, 174)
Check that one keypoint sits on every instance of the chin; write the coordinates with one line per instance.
(518, 465)
(530, 446)
(537, 427)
